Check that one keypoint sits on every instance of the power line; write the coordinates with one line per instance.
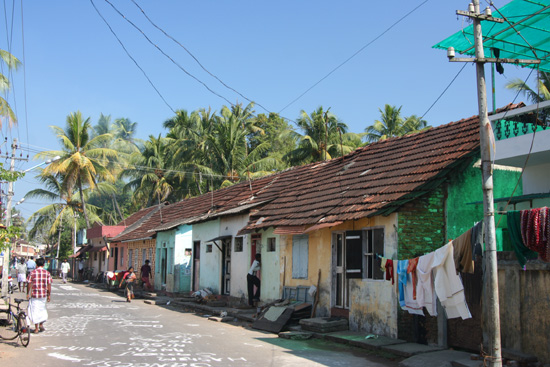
(167, 56)
(150, 82)
(195, 58)
(355, 54)
(131, 58)
(24, 71)
(444, 90)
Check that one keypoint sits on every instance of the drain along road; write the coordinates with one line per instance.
(94, 327)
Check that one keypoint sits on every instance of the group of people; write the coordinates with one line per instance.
(25, 268)
(129, 278)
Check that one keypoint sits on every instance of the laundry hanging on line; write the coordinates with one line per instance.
(422, 279)
(535, 231)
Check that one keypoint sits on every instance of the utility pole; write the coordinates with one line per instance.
(490, 301)
(7, 250)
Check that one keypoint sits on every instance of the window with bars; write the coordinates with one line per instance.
(373, 247)
(271, 244)
(238, 244)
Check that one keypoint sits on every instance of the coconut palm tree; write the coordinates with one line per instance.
(392, 124)
(389, 125)
(320, 139)
(188, 150)
(149, 179)
(5, 110)
(65, 206)
(83, 160)
(535, 96)
(413, 124)
(232, 158)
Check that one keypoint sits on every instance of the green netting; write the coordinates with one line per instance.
(528, 17)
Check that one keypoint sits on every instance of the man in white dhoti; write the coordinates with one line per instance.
(38, 293)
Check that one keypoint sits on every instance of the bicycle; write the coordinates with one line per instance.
(15, 324)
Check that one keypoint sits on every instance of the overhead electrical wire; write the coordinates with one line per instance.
(145, 74)
(444, 90)
(24, 71)
(168, 56)
(355, 54)
(132, 58)
(195, 58)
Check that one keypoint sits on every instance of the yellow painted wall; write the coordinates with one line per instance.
(373, 303)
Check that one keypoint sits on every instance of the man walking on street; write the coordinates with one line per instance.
(31, 265)
(81, 270)
(38, 293)
(65, 267)
(22, 275)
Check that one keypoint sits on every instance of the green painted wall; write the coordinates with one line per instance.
(465, 188)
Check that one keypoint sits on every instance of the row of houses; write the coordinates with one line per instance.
(330, 222)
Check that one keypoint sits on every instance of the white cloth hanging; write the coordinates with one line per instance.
(448, 285)
(425, 295)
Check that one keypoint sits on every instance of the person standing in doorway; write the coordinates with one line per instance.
(65, 267)
(253, 280)
(38, 293)
(146, 274)
(22, 275)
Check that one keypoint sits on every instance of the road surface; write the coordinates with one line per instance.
(94, 327)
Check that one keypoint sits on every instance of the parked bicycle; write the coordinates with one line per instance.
(15, 324)
(88, 274)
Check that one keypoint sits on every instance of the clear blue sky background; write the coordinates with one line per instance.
(270, 52)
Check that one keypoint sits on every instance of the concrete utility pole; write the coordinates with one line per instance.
(7, 250)
(490, 302)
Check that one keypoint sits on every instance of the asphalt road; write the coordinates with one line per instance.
(94, 327)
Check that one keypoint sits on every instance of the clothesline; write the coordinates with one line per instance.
(423, 278)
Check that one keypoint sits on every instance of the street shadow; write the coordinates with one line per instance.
(321, 350)
(12, 343)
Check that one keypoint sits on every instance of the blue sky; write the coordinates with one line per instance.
(270, 52)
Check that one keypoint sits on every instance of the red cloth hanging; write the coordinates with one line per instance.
(535, 231)
(412, 270)
(389, 271)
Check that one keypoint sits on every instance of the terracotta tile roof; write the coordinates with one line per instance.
(136, 216)
(373, 180)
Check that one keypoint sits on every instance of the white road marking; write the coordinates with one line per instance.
(64, 357)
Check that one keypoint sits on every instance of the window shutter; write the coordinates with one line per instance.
(354, 254)
(300, 253)
(378, 242)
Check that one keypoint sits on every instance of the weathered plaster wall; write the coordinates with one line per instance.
(524, 300)
(373, 303)
(319, 257)
(210, 262)
(229, 226)
(535, 179)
